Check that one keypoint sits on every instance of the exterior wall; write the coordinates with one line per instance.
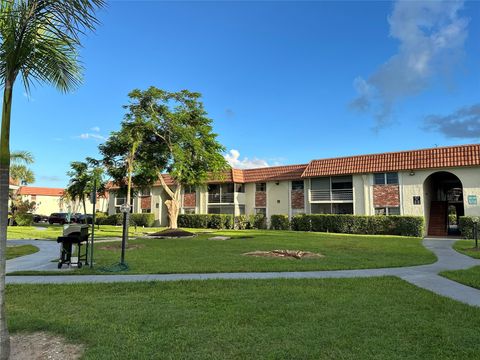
(47, 205)
(277, 198)
(358, 183)
(413, 186)
(250, 198)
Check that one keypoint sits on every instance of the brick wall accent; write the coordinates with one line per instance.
(261, 199)
(386, 195)
(189, 200)
(146, 202)
(298, 199)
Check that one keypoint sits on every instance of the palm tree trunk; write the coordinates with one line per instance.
(4, 191)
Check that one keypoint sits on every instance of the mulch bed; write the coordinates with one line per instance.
(286, 254)
(172, 233)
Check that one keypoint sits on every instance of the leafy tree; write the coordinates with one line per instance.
(38, 42)
(19, 170)
(179, 140)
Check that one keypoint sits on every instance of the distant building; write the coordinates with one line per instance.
(52, 200)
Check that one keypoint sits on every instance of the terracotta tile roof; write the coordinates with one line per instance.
(452, 156)
(14, 182)
(288, 172)
(43, 191)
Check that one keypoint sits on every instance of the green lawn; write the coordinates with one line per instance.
(51, 232)
(467, 247)
(470, 277)
(376, 318)
(21, 250)
(199, 255)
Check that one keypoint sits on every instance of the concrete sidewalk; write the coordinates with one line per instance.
(424, 276)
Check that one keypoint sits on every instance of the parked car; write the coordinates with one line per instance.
(59, 218)
(84, 219)
(40, 218)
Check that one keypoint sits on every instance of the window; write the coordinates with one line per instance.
(297, 185)
(145, 192)
(298, 212)
(240, 188)
(260, 211)
(341, 182)
(189, 211)
(387, 211)
(241, 209)
(390, 178)
(189, 189)
(146, 211)
(219, 209)
(260, 187)
(119, 201)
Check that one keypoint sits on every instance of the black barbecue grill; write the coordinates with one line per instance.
(74, 234)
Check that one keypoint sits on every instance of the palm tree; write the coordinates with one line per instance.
(78, 186)
(18, 167)
(39, 41)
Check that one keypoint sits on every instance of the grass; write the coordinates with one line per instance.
(466, 247)
(376, 318)
(51, 232)
(21, 250)
(200, 255)
(469, 277)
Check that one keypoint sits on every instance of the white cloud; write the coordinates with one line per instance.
(431, 35)
(95, 129)
(87, 136)
(233, 158)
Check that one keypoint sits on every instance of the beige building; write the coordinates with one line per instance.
(51, 200)
(432, 183)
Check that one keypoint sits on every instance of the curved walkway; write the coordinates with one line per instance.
(424, 276)
(39, 261)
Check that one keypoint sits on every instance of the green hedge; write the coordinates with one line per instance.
(144, 219)
(23, 219)
(279, 222)
(147, 219)
(221, 221)
(358, 224)
(466, 226)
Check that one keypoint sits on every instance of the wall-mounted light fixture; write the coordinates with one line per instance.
(412, 173)
(277, 183)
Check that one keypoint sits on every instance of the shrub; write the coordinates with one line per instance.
(258, 221)
(99, 217)
(466, 226)
(301, 223)
(279, 222)
(143, 219)
(23, 219)
(358, 224)
(206, 221)
(242, 222)
(115, 219)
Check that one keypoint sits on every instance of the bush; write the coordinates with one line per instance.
(301, 223)
(221, 221)
(23, 219)
(99, 217)
(279, 222)
(115, 219)
(143, 219)
(466, 226)
(358, 224)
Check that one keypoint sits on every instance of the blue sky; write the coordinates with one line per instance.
(284, 82)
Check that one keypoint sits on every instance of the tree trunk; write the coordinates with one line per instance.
(173, 208)
(84, 209)
(4, 192)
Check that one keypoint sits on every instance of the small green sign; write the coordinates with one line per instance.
(472, 199)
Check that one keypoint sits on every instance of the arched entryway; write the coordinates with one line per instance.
(443, 194)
